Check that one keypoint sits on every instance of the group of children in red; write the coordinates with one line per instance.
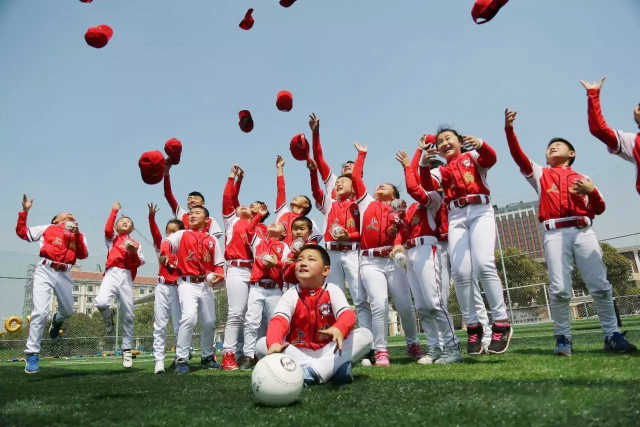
(286, 291)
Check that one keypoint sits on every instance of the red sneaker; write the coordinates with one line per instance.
(229, 362)
(382, 358)
(414, 351)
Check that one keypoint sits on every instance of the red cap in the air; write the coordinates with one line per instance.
(173, 148)
(151, 166)
(287, 3)
(98, 36)
(485, 10)
(246, 121)
(299, 147)
(284, 100)
(247, 22)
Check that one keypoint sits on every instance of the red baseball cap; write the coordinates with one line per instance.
(86, 1)
(246, 122)
(299, 147)
(431, 139)
(98, 36)
(151, 166)
(486, 10)
(284, 100)
(287, 3)
(173, 148)
(247, 22)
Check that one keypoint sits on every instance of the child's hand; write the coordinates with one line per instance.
(361, 148)
(117, 206)
(422, 144)
(264, 210)
(402, 157)
(594, 85)
(337, 337)
(130, 247)
(509, 118)
(395, 250)
(277, 348)
(311, 165)
(279, 162)
(153, 209)
(26, 203)
(269, 261)
(584, 186)
(167, 166)
(213, 279)
(314, 122)
(163, 260)
(471, 142)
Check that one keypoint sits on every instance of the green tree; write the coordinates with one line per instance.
(522, 271)
(619, 272)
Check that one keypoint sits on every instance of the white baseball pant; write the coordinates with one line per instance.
(381, 276)
(117, 283)
(326, 361)
(345, 268)
(237, 285)
(196, 298)
(45, 280)
(261, 301)
(166, 303)
(561, 247)
(423, 271)
(472, 235)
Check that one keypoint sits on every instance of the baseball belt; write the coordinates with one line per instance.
(383, 252)
(342, 247)
(58, 266)
(473, 199)
(421, 241)
(579, 222)
(194, 279)
(240, 263)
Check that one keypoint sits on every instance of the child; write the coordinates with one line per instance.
(61, 244)
(200, 262)
(472, 230)
(301, 229)
(123, 259)
(195, 198)
(239, 261)
(568, 203)
(320, 339)
(299, 206)
(270, 254)
(624, 144)
(423, 267)
(342, 239)
(166, 301)
(380, 240)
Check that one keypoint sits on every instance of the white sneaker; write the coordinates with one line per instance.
(450, 355)
(425, 360)
(367, 363)
(127, 359)
(159, 369)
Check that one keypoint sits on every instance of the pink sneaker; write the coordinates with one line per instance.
(382, 358)
(414, 351)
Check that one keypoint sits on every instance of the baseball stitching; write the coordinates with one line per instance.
(279, 380)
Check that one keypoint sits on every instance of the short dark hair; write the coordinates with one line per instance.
(567, 143)
(396, 192)
(197, 194)
(123, 217)
(348, 162)
(326, 260)
(345, 176)
(308, 202)
(268, 213)
(53, 220)
(447, 128)
(304, 219)
(206, 211)
(177, 222)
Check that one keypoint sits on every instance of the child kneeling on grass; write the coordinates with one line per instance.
(313, 324)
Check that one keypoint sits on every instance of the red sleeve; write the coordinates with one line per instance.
(277, 330)
(251, 228)
(345, 322)
(316, 191)
(413, 188)
(318, 157)
(597, 125)
(82, 252)
(356, 176)
(518, 155)
(289, 273)
(354, 236)
(155, 232)
(229, 198)
(236, 196)
(400, 236)
(111, 222)
(165, 250)
(281, 197)
(427, 181)
(487, 157)
(21, 227)
(596, 202)
(168, 194)
(219, 270)
(415, 162)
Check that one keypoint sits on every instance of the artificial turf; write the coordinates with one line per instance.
(526, 386)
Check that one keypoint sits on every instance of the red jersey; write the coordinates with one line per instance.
(118, 255)
(462, 176)
(169, 272)
(555, 187)
(328, 177)
(301, 313)
(56, 243)
(286, 217)
(198, 252)
(420, 218)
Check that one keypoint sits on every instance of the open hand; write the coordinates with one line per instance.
(337, 336)
(402, 157)
(361, 148)
(314, 122)
(592, 85)
(471, 142)
(509, 117)
(26, 203)
(116, 205)
(279, 162)
(277, 348)
(584, 186)
(153, 209)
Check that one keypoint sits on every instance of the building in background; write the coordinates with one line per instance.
(518, 227)
(632, 253)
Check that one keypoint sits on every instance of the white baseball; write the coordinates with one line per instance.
(277, 380)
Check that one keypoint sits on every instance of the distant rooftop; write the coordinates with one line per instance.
(513, 207)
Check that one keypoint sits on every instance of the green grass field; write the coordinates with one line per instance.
(526, 386)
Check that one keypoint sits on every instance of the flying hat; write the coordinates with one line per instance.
(247, 22)
(246, 122)
(486, 10)
(86, 1)
(284, 100)
(98, 36)
(300, 147)
(173, 148)
(151, 167)
(287, 3)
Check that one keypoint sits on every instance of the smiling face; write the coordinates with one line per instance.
(299, 205)
(197, 218)
(194, 201)
(384, 193)
(276, 231)
(448, 144)
(344, 188)
(347, 168)
(124, 226)
(310, 269)
(559, 153)
(244, 212)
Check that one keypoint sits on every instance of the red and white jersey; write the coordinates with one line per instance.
(420, 218)
(301, 313)
(56, 243)
(289, 272)
(118, 255)
(344, 213)
(170, 272)
(198, 252)
(268, 246)
(555, 187)
(286, 217)
(464, 175)
(237, 240)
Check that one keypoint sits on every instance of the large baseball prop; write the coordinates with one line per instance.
(277, 380)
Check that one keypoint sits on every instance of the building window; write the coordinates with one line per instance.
(89, 299)
(75, 300)
(76, 288)
(89, 288)
(88, 311)
(142, 291)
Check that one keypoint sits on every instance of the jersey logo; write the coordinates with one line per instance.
(57, 241)
(210, 244)
(468, 177)
(374, 225)
(190, 257)
(325, 309)
(72, 245)
(466, 162)
(351, 223)
(356, 212)
(299, 340)
(206, 256)
(553, 189)
(415, 220)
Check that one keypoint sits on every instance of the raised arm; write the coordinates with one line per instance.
(229, 195)
(281, 196)
(597, 124)
(109, 231)
(30, 234)
(153, 226)
(413, 187)
(518, 155)
(239, 178)
(486, 155)
(316, 191)
(318, 157)
(168, 194)
(356, 176)
(427, 180)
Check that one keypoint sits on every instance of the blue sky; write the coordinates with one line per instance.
(74, 120)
